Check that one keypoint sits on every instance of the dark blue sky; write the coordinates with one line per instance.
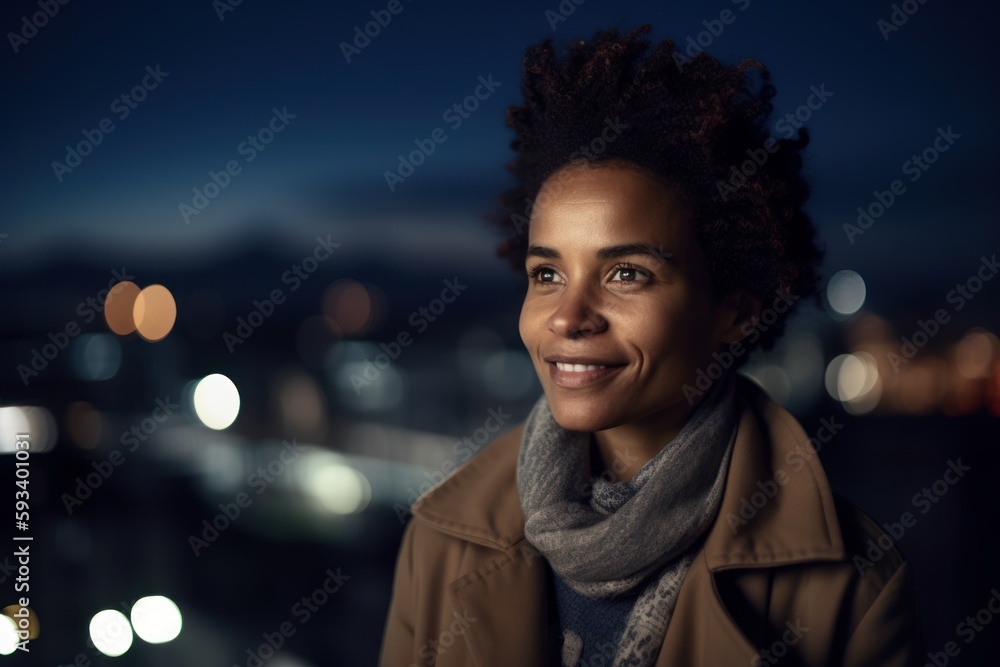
(324, 172)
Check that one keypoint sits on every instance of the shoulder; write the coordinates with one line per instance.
(872, 552)
(469, 519)
(478, 501)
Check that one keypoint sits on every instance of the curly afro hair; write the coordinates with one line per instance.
(691, 122)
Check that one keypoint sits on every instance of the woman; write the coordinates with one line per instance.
(655, 508)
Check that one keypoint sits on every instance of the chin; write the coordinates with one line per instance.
(581, 415)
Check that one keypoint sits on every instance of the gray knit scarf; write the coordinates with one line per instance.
(604, 549)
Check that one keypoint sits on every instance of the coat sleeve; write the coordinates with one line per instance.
(889, 633)
(398, 648)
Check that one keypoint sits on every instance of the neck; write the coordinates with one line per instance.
(623, 450)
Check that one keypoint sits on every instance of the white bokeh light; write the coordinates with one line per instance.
(156, 619)
(111, 632)
(854, 379)
(32, 419)
(336, 487)
(851, 377)
(216, 401)
(8, 635)
(846, 292)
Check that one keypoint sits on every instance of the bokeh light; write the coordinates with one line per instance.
(97, 356)
(216, 401)
(337, 488)
(111, 632)
(854, 379)
(119, 307)
(38, 423)
(302, 406)
(352, 308)
(975, 353)
(154, 312)
(362, 377)
(25, 619)
(347, 303)
(8, 635)
(846, 292)
(156, 619)
(867, 397)
(85, 424)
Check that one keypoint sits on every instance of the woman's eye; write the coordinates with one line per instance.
(544, 275)
(630, 274)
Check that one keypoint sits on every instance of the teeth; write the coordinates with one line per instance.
(576, 368)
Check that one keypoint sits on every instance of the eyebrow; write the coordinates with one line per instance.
(611, 252)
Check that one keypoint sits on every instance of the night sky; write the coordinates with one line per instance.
(225, 71)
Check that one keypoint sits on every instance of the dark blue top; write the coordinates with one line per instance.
(599, 622)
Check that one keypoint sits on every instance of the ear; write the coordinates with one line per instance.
(736, 310)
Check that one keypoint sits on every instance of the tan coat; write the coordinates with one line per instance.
(782, 589)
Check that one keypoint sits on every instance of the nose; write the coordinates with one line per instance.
(574, 316)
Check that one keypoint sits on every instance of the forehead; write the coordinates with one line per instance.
(607, 202)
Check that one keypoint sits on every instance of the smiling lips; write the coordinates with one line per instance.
(577, 368)
(571, 373)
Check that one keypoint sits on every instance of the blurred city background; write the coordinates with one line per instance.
(241, 350)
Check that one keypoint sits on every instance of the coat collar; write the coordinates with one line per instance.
(777, 507)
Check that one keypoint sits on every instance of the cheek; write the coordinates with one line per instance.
(527, 325)
(667, 334)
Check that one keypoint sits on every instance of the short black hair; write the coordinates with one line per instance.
(692, 122)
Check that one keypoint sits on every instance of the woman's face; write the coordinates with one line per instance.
(616, 280)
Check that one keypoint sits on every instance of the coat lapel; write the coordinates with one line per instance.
(508, 595)
(509, 601)
(777, 507)
(701, 631)
(758, 526)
